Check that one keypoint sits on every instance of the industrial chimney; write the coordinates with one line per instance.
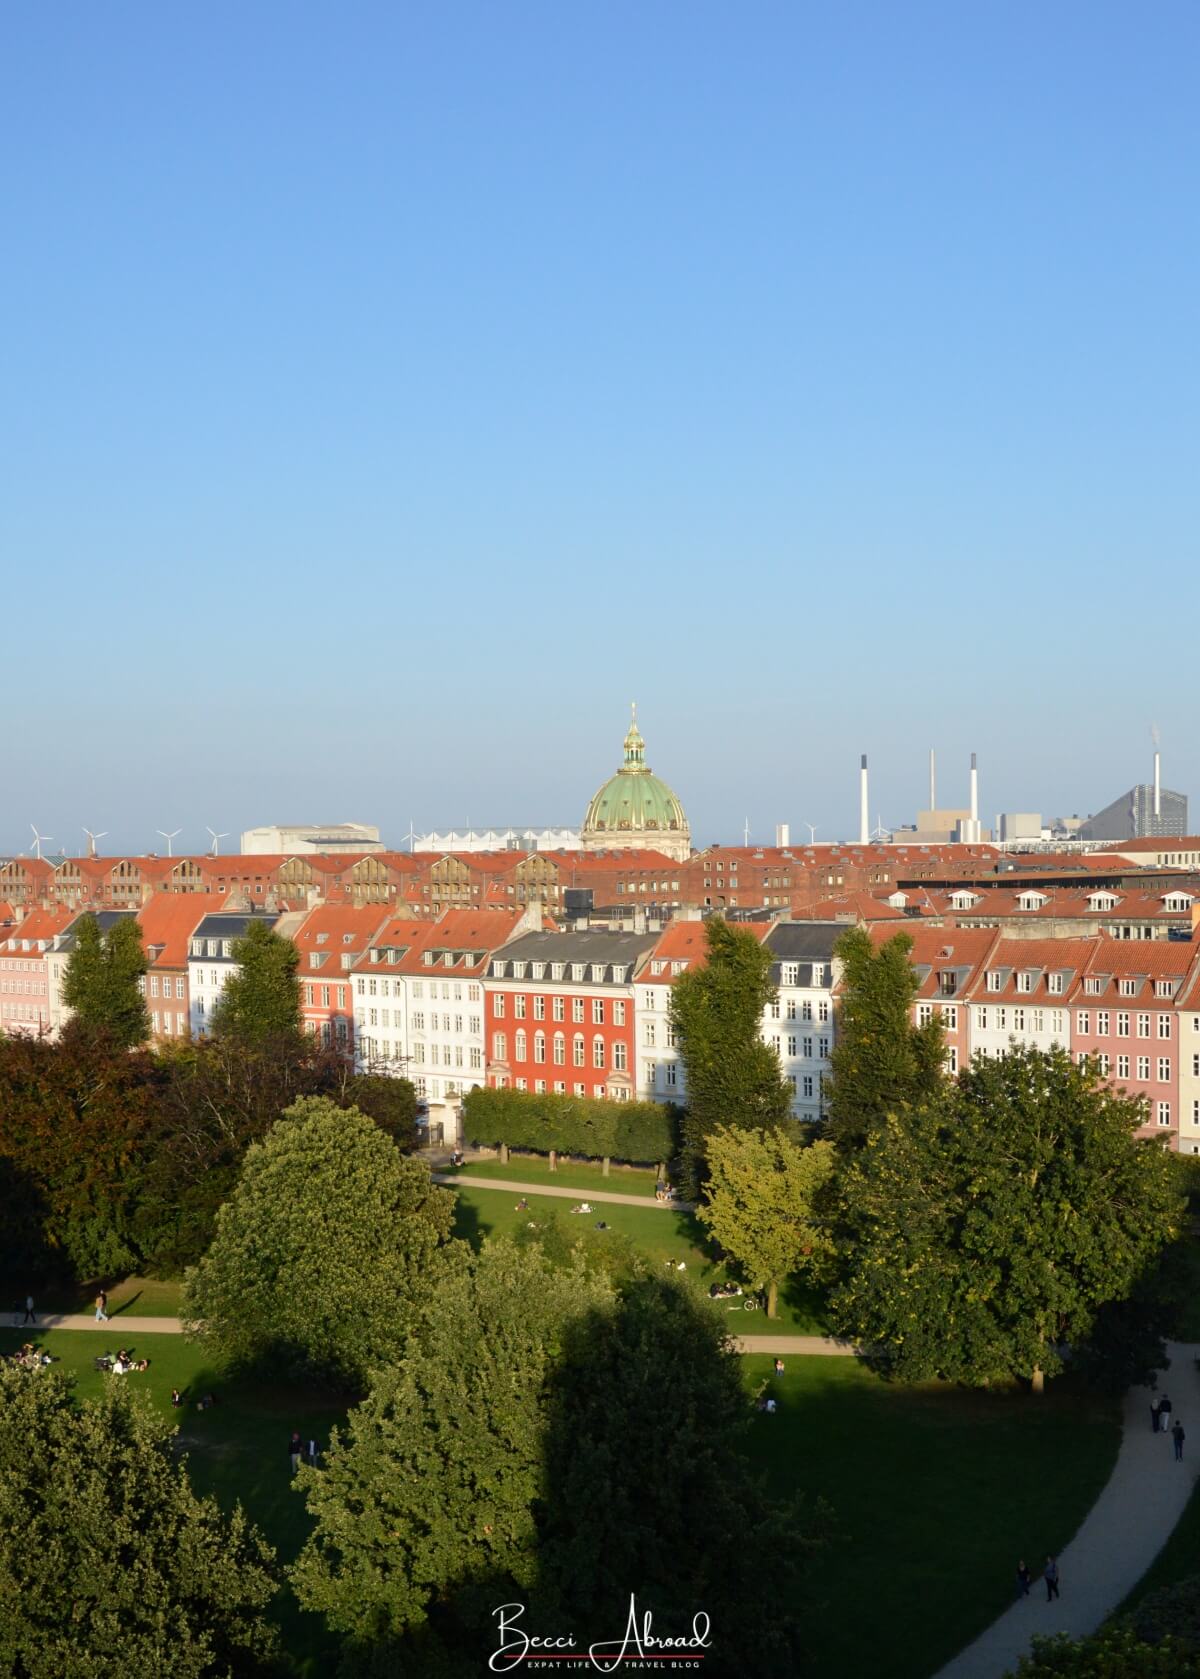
(974, 791)
(1157, 788)
(864, 820)
(783, 835)
(932, 779)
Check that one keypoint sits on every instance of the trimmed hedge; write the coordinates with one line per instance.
(634, 1131)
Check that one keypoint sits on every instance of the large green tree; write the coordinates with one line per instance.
(881, 1062)
(319, 1254)
(1115, 1653)
(102, 982)
(108, 1561)
(261, 1000)
(648, 1489)
(986, 1230)
(429, 1497)
(759, 1203)
(733, 1077)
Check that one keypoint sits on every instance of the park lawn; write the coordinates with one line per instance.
(935, 1493)
(236, 1451)
(661, 1233)
(570, 1174)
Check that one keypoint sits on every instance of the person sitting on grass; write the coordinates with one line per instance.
(176, 1397)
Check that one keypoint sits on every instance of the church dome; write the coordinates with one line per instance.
(636, 808)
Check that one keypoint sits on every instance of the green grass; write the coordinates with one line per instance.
(571, 1174)
(936, 1492)
(662, 1234)
(236, 1451)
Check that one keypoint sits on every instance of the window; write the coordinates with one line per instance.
(671, 1074)
(1163, 988)
(539, 1008)
(597, 1011)
(520, 1047)
(952, 1059)
(1002, 1020)
(499, 1046)
(1122, 1024)
(994, 982)
(823, 1048)
(619, 1011)
(1054, 984)
(790, 1008)
(577, 1009)
(499, 1004)
(924, 1013)
(1102, 1063)
(1037, 1020)
(1018, 1020)
(1164, 1025)
(1127, 987)
(1143, 1066)
(522, 1084)
(789, 974)
(577, 1052)
(1122, 1066)
(1102, 1023)
(1164, 1113)
(539, 1046)
(950, 1018)
(1143, 1025)
(1164, 1069)
(598, 1056)
(1083, 1021)
(560, 1050)
(823, 1009)
(981, 1018)
(619, 1059)
(519, 1005)
(1024, 982)
(476, 1059)
(806, 1085)
(558, 1008)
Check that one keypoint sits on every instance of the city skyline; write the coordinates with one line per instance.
(376, 428)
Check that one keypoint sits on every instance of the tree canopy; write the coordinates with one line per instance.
(647, 1488)
(328, 1238)
(1115, 1653)
(760, 1203)
(881, 1062)
(986, 1230)
(101, 982)
(108, 1560)
(733, 1077)
(261, 999)
(430, 1494)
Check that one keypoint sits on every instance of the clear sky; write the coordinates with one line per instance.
(390, 394)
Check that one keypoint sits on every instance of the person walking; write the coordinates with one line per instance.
(1164, 1414)
(312, 1453)
(1050, 1576)
(1154, 1417)
(102, 1307)
(29, 1312)
(295, 1449)
(1179, 1437)
(1024, 1579)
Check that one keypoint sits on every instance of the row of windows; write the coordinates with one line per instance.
(793, 1046)
(162, 1023)
(180, 985)
(620, 1053)
(619, 1094)
(558, 1008)
(1083, 1023)
(805, 1007)
(371, 987)
(24, 988)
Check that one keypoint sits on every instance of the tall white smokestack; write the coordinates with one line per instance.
(974, 790)
(864, 820)
(932, 779)
(783, 835)
(1157, 788)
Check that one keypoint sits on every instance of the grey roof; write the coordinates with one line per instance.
(805, 941)
(228, 926)
(592, 946)
(107, 918)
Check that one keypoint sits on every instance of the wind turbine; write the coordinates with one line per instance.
(746, 833)
(38, 841)
(882, 835)
(162, 834)
(92, 838)
(812, 832)
(410, 836)
(216, 839)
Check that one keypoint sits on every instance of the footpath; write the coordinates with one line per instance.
(611, 1197)
(117, 1325)
(1121, 1535)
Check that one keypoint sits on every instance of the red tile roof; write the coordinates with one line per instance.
(168, 920)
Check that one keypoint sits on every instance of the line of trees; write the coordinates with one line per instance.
(643, 1132)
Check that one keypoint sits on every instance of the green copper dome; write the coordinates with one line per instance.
(635, 803)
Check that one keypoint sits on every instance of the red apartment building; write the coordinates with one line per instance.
(559, 1012)
(167, 921)
(331, 939)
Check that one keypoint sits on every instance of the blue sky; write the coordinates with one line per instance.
(388, 395)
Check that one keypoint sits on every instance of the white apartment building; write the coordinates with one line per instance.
(211, 961)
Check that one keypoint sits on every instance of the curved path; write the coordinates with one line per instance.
(1121, 1535)
(116, 1325)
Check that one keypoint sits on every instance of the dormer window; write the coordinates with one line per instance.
(1164, 988)
(657, 966)
(1093, 985)
(577, 972)
(995, 981)
(539, 970)
(556, 970)
(197, 947)
(1177, 902)
(1054, 984)
(947, 983)
(597, 973)
(1102, 900)
(347, 938)
(678, 967)
(1031, 900)
(427, 958)
(497, 970)
(789, 974)
(1128, 987)
(377, 955)
(322, 938)
(226, 947)
(1025, 982)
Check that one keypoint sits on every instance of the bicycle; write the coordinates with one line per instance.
(748, 1303)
